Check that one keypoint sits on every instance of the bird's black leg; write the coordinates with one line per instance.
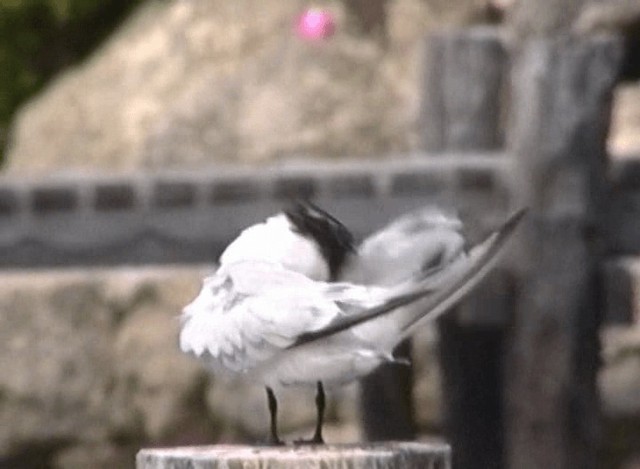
(273, 412)
(320, 405)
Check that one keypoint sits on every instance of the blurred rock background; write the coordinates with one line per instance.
(89, 367)
(192, 83)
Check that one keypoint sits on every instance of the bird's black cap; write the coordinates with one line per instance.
(333, 238)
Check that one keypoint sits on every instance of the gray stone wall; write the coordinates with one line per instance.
(176, 216)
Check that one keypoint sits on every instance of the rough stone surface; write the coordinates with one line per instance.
(55, 349)
(88, 359)
(624, 139)
(619, 382)
(155, 387)
(198, 82)
(188, 84)
(620, 379)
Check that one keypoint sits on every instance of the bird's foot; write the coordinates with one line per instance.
(274, 442)
(315, 440)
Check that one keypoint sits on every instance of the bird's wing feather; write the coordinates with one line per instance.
(249, 311)
(407, 247)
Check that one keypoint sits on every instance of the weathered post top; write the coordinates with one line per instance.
(388, 455)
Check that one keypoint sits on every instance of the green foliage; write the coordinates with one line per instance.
(38, 38)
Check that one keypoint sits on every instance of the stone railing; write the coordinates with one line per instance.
(169, 217)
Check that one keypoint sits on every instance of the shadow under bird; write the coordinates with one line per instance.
(296, 302)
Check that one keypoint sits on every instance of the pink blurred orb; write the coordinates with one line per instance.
(315, 24)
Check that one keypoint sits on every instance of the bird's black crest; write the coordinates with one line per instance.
(333, 238)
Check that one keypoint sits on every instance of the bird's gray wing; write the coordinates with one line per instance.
(436, 294)
(416, 242)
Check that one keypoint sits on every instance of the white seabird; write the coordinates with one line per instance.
(296, 302)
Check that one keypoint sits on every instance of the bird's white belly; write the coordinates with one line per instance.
(333, 365)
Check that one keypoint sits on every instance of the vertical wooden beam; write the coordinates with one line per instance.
(461, 106)
(561, 97)
(472, 360)
(386, 400)
(462, 110)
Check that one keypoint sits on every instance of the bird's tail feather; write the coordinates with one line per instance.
(479, 262)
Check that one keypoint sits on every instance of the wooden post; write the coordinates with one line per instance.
(379, 456)
(386, 399)
(561, 95)
(461, 106)
(462, 110)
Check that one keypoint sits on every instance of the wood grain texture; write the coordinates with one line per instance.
(561, 98)
(462, 90)
(375, 456)
(464, 113)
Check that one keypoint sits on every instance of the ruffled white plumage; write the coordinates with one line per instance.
(254, 314)
(249, 312)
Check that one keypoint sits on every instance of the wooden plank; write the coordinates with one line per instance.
(561, 98)
(380, 456)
